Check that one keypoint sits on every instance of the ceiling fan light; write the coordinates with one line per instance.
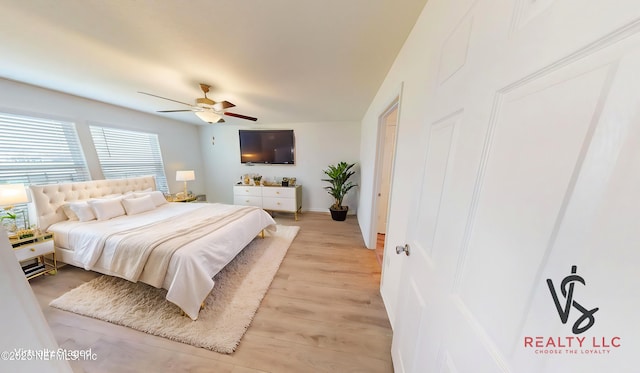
(208, 116)
(218, 106)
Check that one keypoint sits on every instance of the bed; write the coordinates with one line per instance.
(125, 228)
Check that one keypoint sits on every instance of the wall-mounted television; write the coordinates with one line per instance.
(267, 146)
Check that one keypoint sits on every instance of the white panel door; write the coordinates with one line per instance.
(417, 302)
(529, 190)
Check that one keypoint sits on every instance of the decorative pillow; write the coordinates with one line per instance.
(81, 210)
(66, 208)
(137, 205)
(156, 196)
(106, 209)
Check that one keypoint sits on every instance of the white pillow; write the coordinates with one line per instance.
(106, 209)
(114, 195)
(81, 210)
(156, 196)
(137, 205)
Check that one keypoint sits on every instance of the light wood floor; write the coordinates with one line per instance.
(323, 313)
(380, 248)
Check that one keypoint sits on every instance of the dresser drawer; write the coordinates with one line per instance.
(247, 200)
(243, 190)
(279, 192)
(31, 251)
(279, 204)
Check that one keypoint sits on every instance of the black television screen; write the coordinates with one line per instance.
(267, 146)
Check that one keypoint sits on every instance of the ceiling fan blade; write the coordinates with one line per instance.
(173, 111)
(164, 98)
(240, 116)
(226, 104)
(220, 106)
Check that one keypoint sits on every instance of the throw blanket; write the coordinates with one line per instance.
(145, 252)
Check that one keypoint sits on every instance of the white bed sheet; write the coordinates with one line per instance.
(189, 277)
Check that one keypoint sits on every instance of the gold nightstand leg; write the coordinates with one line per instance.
(54, 271)
(53, 263)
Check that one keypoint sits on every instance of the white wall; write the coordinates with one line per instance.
(178, 141)
(407, 80)
(317, 145)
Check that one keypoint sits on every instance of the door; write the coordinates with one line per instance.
(389, 124)
(529, 177)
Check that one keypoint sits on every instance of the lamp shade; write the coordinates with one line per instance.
(208, 116)
(186, 175)
(12, 194)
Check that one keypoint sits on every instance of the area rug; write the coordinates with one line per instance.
(228, 311)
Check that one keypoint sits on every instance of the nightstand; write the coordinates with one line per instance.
(37, 255)
(190, 198)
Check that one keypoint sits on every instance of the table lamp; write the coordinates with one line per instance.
(185, 175)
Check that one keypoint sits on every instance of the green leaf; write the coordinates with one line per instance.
(339, 175)
(8, 215)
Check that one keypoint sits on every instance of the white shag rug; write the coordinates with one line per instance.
(228, 310)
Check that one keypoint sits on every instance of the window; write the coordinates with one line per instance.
(124, 154)
(39, 151)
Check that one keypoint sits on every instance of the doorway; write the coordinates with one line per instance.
(388, 124)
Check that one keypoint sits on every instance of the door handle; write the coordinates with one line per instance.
(403, 249)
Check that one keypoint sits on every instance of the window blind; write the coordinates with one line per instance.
(39, 151)
(124, 153)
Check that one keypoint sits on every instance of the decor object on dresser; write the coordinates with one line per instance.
(227, 311)
(339, 175)
(10, 195)
(185, 175)
(270, 198)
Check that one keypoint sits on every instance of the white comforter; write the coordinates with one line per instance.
(189, 276)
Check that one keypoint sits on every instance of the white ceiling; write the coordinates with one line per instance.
(279, 60)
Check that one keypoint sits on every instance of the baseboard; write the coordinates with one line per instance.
(326, 211)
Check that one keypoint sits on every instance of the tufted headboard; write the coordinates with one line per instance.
(48, 199)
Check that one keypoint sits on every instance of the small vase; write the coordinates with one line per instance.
(10, 227)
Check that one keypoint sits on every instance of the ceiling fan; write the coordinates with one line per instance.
(205, 108)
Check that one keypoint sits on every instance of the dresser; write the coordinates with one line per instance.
(270, 198)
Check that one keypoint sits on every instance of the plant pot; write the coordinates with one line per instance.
(339, 215)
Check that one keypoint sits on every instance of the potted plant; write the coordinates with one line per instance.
(339, 175)
(11, 224)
